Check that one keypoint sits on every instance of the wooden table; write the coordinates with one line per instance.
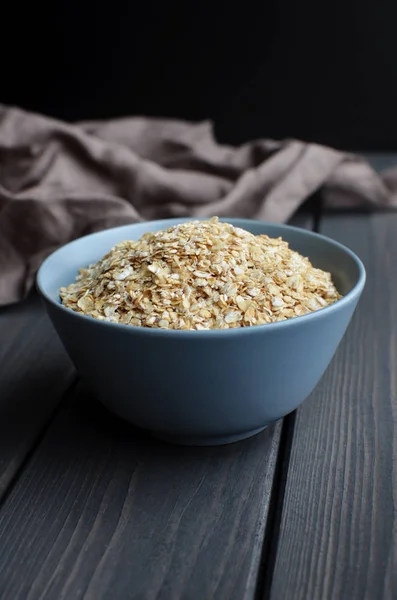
(92, 509)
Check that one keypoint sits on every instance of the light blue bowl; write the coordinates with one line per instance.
(203, 387)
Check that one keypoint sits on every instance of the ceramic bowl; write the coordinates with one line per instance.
(203, 387)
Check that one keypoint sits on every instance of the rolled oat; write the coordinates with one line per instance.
(200, 275)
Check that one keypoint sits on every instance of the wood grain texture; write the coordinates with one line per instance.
(101, 510)
(338, 537)
(34, 373)
(104, 511)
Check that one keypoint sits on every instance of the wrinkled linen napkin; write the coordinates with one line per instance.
(59, 181)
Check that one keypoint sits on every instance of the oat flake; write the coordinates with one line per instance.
(200, 275)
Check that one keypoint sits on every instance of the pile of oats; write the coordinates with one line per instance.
(200, 275)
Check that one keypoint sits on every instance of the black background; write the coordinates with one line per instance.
(318, 71)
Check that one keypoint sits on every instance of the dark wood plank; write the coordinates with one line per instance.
(34, 373)
(304, 218)
(381, 161)
(338, 536)
(104, 511)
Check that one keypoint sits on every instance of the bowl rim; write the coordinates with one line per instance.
(354, 293)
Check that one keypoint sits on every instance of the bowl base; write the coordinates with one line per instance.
(205, 440)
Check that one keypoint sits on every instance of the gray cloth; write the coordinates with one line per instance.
(60, 181)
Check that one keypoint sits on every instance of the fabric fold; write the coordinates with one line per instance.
(59, 181)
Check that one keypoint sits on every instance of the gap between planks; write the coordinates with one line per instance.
(338, 536)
